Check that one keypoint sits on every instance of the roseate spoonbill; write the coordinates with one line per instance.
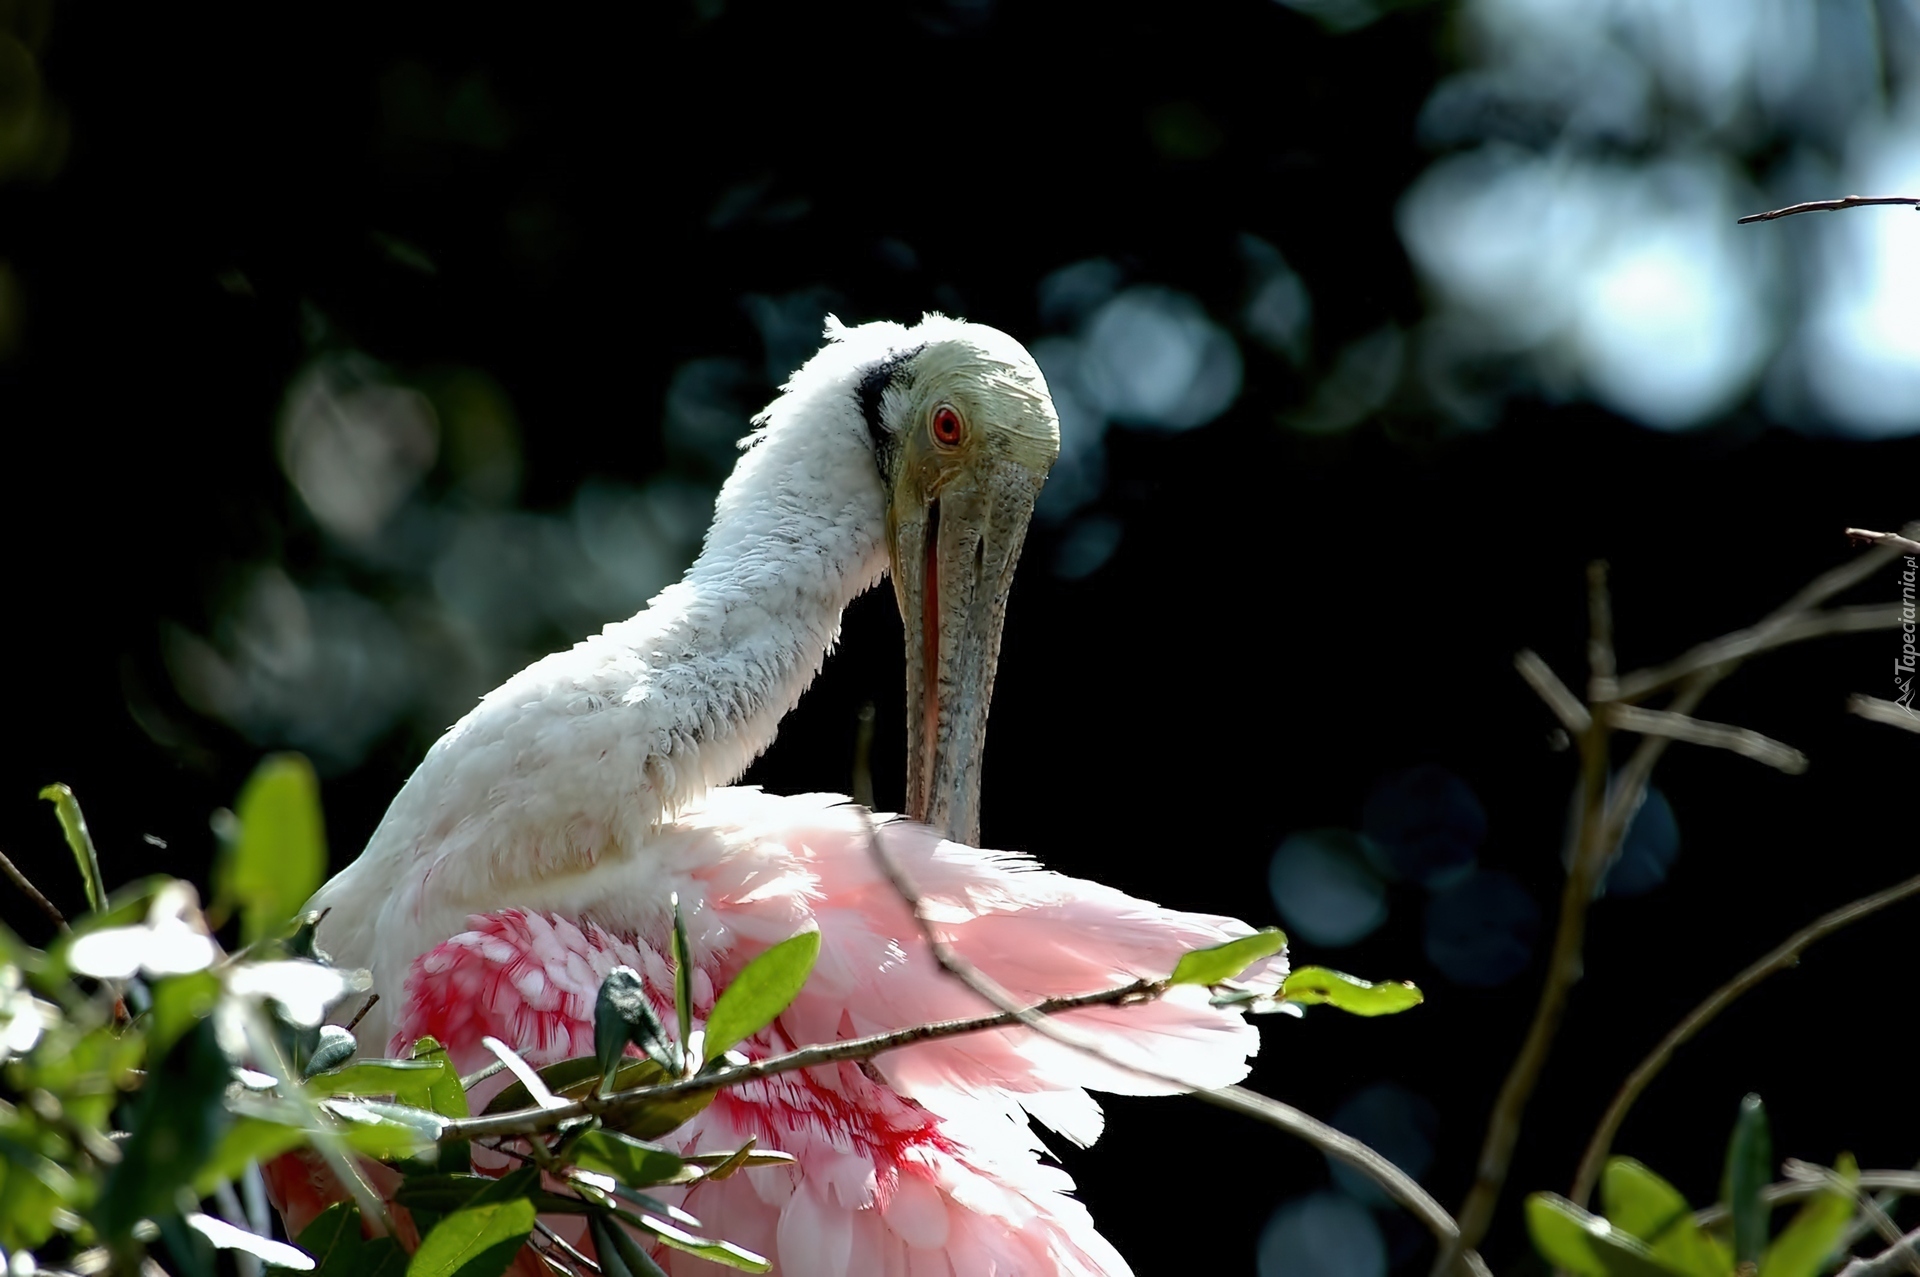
(539, 841)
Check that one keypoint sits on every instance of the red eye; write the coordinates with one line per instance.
(947, 427)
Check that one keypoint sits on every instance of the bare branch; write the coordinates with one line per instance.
(1785, 955)
(32, 892)
(1754, 640)
(1694, 731)
(1892, 540)
(1559, 698)
(1398, 1185)
(1897, 1183)
(1889, 1261)
(1829, 206)
(1891, 713)
(1825, 1177)
(372, 1001)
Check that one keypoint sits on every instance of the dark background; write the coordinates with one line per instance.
(566, 206)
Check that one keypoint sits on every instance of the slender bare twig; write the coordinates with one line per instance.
(556, 1241)
(1785, 955)
(1604, 819)
(1398, 1185)
(533, 1121)
(1829, 206)
(1764, 637)
(1891, 713)
(1559, 698)
(1888, 1261)
(372, 1001)
(1905, 544)
(32, 892)
(1825, 1178)
(1694, 731)
(1896, 1183)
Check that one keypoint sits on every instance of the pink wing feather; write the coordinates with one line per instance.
(921, 1162)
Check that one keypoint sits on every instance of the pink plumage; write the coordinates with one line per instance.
(920, 1162)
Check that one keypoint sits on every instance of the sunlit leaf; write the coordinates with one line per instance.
(576, 1078)
(633, 1163)
(682, 975)
(718, 1252)
(249, 1139)
(74, 825)
(1639, 1201)
(1749, 1168)
(444, 1094)
(479, 1241)
(622, 1015)
(1578, 1242)
(620, 1255)
(32, 1188)
(225, 1236)
(303, 990)
(1311, 986)
(1803, 1248)
(386, 1130)
(443, 1194)
(279, 854)
(752, 1157)
(405, 1080)
(761, 991)
(1219, 962)
(334, 1047)
(742, 1156)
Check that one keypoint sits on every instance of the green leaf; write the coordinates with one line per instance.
(333, 1239)
(382, 1257)
(1577, 1242)
(1803, 1248)
(717, 1252)
(1639, 1201)
(622, 1015)
(620, 1255)
(386, 1130)
(1749, 1168)
(179, 1003)
(1311, 986)
(762, 990)
(249, 1139)
(74, 825)
(479, 1241)
(444, 1094)
(405, 1080)
(1220, 962)
(682, 976)
(179, 1121)
(333, 1047)
(444, 1194)
(280, 852)
(576, 1078)
(633, 1163)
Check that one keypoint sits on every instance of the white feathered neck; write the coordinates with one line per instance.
(583, 754)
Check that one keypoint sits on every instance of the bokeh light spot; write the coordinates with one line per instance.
(1324, 888)
(1324, 1235)
(1398, 1124)
(1647, 852)
(1424, 825)
(1481, 931)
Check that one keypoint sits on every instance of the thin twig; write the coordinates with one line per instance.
(32, 892)
(560, 1243)
(1785, 955)
(1887, 1262)
(1829, 206)
(1892, 713)
(1559, 698)
(532, 1121)
(1754, 640)
(1238, 1099)
(1826, 1179)
(372, 1001)
(1694, 731)
(1897, 1183)
(1892, 540)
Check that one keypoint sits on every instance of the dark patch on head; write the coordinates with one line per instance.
(873, 387)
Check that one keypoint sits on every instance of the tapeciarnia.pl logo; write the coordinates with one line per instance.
(1903, 664)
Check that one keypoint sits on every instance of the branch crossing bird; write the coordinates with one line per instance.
(539, 842)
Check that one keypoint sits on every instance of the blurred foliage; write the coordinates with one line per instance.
(1647, 1229)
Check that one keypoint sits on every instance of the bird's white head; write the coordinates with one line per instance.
(963, 433)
